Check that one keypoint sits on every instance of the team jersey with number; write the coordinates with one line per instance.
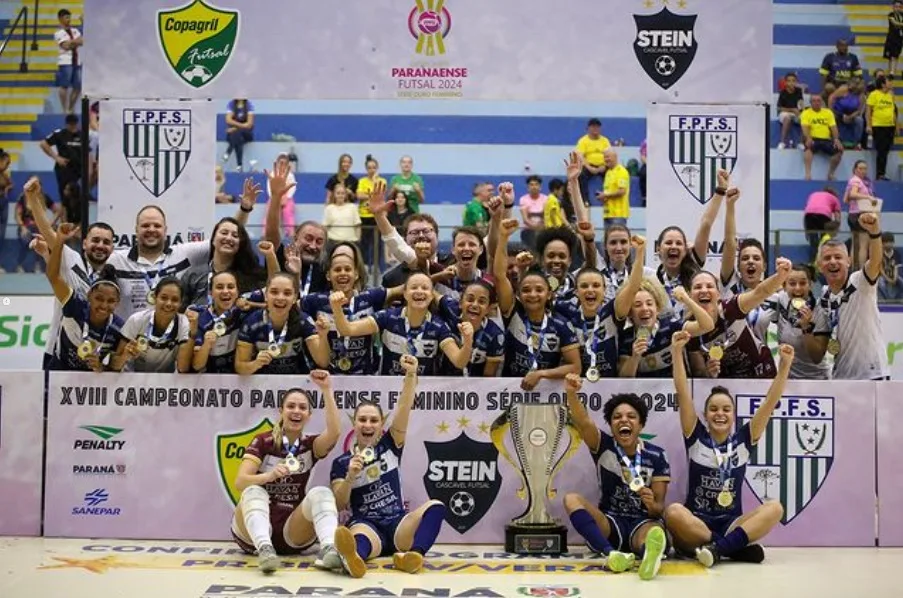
(359, 353)
(551, 336)
(376, 491)
(614, 476)
(488, 341)
(745, 354)
(596, 335)
(704, 477)
(285, 493)
(656, 361)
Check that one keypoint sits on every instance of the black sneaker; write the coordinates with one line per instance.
(752, 553)
(708, 555)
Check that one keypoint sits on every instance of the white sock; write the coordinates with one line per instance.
(255, 507)
(319, 508)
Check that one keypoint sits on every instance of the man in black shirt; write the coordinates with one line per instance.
(68, 155)
(790, 102)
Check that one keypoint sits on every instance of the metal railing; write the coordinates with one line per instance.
(23, 15)
(34, 28)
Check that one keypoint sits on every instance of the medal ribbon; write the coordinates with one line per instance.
(614, 278)
(477, 337)
(305, 288)
(591, 341)
(346, 341)
(282, 334)
(634, 469)
(216, 318)
(534, 352)
(149, 333)
(85, 331)
(291, 449)
(834, 316)
(459, 285)
(412, 340)
(147, 278)
(724, 461)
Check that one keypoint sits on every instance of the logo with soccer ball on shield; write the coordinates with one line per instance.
(197, 40)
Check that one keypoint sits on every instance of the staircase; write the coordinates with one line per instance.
(24, 96)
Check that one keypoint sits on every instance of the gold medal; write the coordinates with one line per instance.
(274, 350)
(553, 283)
(592, 374)
(151, 298)
(716, 353)
(219, 328)
(143, 343)
(643, 333)
(373, 472)
(344, 364)
(798, 303)
(533, 341)
(725, 498)
(834, 347)
(292, 463)
(368, 454)
(636, 484)
(85, 349)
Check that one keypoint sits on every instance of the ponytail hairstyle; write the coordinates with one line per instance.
(717, 390)
(277, 427)
(106, 276)
(369, 403)
(168, 281)
(538, 272)
(614, 228)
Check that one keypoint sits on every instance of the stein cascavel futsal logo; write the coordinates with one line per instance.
(230, 449)
(156, 145)
(430, 23)
(197, 40)
(792, 460)
(698, 146)
(665, 45)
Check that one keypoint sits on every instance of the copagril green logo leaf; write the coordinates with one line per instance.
(198, 40)
(102, 432)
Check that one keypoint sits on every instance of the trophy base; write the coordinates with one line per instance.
(536, 538)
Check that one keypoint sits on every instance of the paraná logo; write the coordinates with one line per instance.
(197, 40)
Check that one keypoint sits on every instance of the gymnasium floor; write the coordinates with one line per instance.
(52, 568)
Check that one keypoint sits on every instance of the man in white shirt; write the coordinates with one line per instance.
(69, 65)
(853, 327)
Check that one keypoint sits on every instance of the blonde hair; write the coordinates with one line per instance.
(659, 295)
(277, 427)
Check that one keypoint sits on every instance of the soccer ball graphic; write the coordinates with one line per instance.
(195, 72)
(665, 65)
(462, 504)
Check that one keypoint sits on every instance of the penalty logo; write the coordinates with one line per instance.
(230, 449)
(197, 40)
(792, 460)
(665, 45)
(698, 147)
(157, 145)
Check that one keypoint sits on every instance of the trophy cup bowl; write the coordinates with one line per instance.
(536, 431)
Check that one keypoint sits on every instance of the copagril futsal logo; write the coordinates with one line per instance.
(430, 24)
(230, 449)
(198, 40)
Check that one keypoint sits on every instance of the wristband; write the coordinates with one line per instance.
(245, 210)
(875, 236)
(720, 190)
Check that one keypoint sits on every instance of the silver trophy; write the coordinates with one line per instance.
(536, 431)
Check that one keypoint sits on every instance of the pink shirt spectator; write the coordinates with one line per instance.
(643, 150)
(822, 203)
(288, 206)
(863, 186)
(534, 207)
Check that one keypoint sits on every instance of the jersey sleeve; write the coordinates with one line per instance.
(496, 346)
(732, 311)
(821, 321)
(377, 296)
(339, 468)
(744, 436)
(382, 318)
(256, 450)
(133, 326)
(566, 335)
(75, 307)
(604, 444)
(308, 328)
(661, 469)
(442, 330)
(698, 432)
(247, 330)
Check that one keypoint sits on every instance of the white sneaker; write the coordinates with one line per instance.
(267, 559)
(328, 559)
(782, 145)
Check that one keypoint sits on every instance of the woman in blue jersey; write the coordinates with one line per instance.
(345, 273)
(215, 327)
(643, 346)
(272, 340)
(597, 322)
(477, 299)
(89, 329)
(616, 263)
(367, 480)
(633, 478)
(712, 523)
(411, 329)
(538, 344)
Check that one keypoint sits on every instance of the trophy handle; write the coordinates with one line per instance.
(574, 440)
(497, 432)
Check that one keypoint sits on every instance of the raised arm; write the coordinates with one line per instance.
(327, 439)
(703, 322)
(34, 199)
(749, 300)
(681, 385)
(581, 419)
(763, 413)
(626, 294)
(500, 267)
(249, 194)
(268, 251)
(278, 186)
(363, 327)
(396, 246)
(459, 356)
(402, 414)
(61, 290)
(872, 226)
(729, 252)
(701, 240)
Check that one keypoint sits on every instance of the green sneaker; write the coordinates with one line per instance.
(618, 562)
(655, 550)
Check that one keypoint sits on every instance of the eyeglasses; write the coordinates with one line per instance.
(424, 233)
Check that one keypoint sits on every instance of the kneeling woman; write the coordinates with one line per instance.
(367, 480)
(633, 476)
(277, 513)
(711, 523)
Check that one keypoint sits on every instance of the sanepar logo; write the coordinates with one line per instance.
(19, 331)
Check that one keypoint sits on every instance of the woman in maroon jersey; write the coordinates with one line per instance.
(277, 513)
(732, 349)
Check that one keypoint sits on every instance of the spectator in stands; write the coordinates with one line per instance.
(71, 202)
(553, 216)
(475, 212)
(94, 144)
(641, 174)
(68, 155)
(820, 136)
(341, 217)
(839, 67)
(532, 210)
(821, 215)
(592, 148)
(369, 238)
(615, 194)
(890, 285)
(69, 66)
(410, 183)
(399, 211)
(28, 228)
(221, 196)
(287, 201)
(790, 103)
(893, 43)
(239, 129)
(859, 189)
(848, 104)
(343, 175)
(881, 123)
(6, 185)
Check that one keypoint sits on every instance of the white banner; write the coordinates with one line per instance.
(467, 49)
(160, 153)
(21, 448)
(687, 145)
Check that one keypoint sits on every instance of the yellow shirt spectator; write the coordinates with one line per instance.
(593, 149)
(551, 213)
(882, 105)
(365, 186)
(819, 123)
(616, 179)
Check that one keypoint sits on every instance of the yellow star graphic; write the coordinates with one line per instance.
(483, 428)
(463, 422)
(442, 427)
(100, 565)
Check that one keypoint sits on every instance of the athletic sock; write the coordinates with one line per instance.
(732, 542)
(586, 526)
(428, 530)
(363, 546)
(255, 509)
(322, 512)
